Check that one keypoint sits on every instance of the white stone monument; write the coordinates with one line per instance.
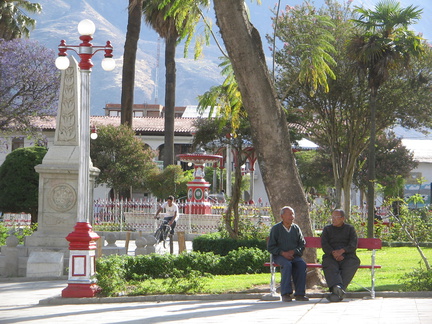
(58, 174)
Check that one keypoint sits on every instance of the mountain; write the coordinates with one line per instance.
(60, 18)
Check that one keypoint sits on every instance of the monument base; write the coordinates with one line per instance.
(76, 290)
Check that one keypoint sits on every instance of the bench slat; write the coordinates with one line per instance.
(362, 243)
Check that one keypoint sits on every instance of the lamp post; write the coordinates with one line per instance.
(82, 241)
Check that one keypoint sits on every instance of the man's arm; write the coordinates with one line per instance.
(158, 211)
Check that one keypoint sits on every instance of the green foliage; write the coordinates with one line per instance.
(111, 273)
(180, 274)
(219, 245)
(123, 159)
(393, 163)
(315, 171)
(20, 232)
(417, 280)
(4, 233)
(19, 182)
(170, 181)
(243, 260)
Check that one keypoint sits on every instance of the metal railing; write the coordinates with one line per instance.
(138, 215)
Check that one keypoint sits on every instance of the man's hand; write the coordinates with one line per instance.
(288, 254)
(338, 254)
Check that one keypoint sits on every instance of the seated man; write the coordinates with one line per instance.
(340, 262)
(286, 243)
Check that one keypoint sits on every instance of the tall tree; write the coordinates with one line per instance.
(29, 83)
(339, 120)
(270, 132)
(173, 27)
(14, 23)
(123, 159)
(167, 29)
(129, 59)
(383, 43)
(230, 128)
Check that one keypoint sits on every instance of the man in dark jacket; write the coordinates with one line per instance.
(286, 244)
(340, 262)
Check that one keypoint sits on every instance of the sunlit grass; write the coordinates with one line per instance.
(395, 262)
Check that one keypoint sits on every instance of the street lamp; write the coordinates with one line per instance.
(82, 241)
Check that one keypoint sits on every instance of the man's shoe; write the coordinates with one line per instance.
(286, 298)
(301, 298)
(339, 292)
(333, 298)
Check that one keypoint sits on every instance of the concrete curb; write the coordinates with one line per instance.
(58, 300)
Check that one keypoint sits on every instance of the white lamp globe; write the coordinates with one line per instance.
(86, 27)
(93, 136)
(108, 64)
(62, 62)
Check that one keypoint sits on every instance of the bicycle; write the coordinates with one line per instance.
(162, 232)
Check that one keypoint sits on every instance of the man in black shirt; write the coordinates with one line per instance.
(340, 262)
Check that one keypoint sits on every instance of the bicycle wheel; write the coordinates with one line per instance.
(165, 232)
(159, 235)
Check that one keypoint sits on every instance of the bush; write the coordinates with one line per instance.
(180, 272)
(418, 280)
(223, 245)
(19, 182)
(20, 233)
(242, 261)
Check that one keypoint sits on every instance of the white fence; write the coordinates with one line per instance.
(16, 220)
(138, 215)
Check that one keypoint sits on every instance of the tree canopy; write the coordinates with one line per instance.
(29, 83)
(19, 182)
(339, 120)
(123, 159)
(14, 22)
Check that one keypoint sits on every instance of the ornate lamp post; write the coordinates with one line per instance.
(82, 241)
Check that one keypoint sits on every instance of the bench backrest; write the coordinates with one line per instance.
(362, 243)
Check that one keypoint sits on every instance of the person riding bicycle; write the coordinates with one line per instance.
(172, 213)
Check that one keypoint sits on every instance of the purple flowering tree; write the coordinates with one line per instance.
(29, 83)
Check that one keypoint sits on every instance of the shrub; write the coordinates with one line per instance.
(181, 273)
(418, 280)
(111, 274)
(223, 245)
(20, 233)
(19, 182)
(243, 261)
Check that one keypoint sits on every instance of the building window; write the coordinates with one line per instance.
(17, 142)
(114, 113)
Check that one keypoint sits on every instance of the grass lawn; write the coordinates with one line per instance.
(395, 262)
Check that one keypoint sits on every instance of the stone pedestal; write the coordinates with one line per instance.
(58, 174)
(45, 264)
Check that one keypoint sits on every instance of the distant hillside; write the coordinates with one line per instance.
(60, 18)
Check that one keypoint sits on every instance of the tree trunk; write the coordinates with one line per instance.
(129, 59)
(270, 130)
(170, 93)
(371, 166)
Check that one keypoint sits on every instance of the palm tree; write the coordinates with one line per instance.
(382, 43)
(13, 21)
(172, 24)
(131, 44)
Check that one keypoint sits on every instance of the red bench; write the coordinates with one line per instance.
(372, 244)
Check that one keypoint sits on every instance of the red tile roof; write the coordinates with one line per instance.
(140, 124)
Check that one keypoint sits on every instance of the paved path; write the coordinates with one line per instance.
(20, 303)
